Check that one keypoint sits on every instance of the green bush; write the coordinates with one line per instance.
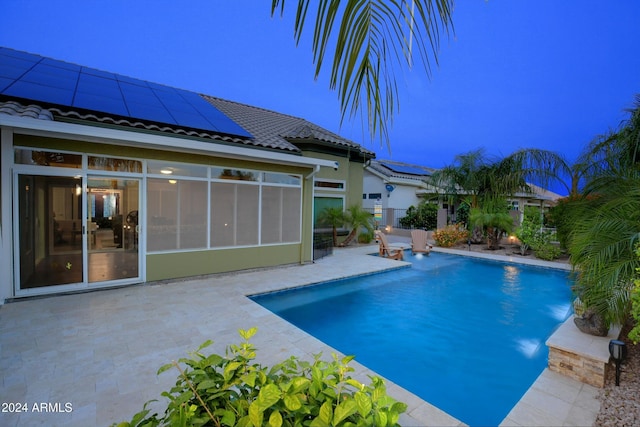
(547, 251)
(231, 390)
(425, 216)
(449, 236)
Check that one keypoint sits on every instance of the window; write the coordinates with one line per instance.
(375, 196)
(330, 185)
(320, 204)
(25, 156)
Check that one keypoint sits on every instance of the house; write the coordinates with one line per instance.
(107, 180)
(395, 186)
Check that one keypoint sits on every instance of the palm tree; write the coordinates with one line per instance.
(494, 221)
(604, 221)
(357, 218)
(484, 182)
(333, 217)
(373, 39)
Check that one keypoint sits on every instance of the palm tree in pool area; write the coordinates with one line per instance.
(371, 40)
(357, 218)
(333, 217)
(604, 221)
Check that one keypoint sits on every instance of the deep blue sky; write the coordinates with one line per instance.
(517, 73)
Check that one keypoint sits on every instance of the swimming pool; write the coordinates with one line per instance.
(464, 334)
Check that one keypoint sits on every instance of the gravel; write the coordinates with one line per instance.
(620, 405)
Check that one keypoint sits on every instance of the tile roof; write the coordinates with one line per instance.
(277, 130)
(14, 108)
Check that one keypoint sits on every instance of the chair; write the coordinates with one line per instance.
(387, 251)
(419, 242)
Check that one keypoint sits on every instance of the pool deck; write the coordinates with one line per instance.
(99, 351)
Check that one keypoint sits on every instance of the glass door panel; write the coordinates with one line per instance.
(50, 229)
(112, 229)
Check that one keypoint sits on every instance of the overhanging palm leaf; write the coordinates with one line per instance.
(374, 39)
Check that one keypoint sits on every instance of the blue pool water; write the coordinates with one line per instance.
(466, 335)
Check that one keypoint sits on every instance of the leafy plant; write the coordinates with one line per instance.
(449, 236)
(334, 218)
(529, 229)
(634, 334)
(357, 218)
(424, 216)
(493, 221)
(232, 390)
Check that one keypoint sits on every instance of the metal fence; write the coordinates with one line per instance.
(390, 217)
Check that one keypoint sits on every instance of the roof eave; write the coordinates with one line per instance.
(166, 143)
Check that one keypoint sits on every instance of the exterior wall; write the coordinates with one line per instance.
(186, 264)
(401, 197)
(349, 172)
(167, 265)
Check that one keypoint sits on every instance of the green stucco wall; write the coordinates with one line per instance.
(186, 264)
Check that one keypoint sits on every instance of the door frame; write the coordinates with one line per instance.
(82, 174)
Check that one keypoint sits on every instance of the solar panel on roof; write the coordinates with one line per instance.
(411, 170)
(34, 78)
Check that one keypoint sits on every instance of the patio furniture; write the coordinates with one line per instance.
(387, 251)
(419, 242)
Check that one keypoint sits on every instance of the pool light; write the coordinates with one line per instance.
(617, 350)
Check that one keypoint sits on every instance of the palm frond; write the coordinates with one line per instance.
(373, 40)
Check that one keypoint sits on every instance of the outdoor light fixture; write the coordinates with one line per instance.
(617, 350)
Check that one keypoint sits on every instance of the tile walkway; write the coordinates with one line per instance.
(99, 351)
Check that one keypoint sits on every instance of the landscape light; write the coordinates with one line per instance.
(617, 350)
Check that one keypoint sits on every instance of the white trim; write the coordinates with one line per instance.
(6, 215)
(99, 134)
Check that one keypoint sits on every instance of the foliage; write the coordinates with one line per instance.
(529, 229)
(634, 334)
(482, 179)
(547, 251)
(357, 218)
(531, 235)
(494, 220)
(425, 216)
(462, 213)
(333, 217)
(449, 236)
(231, 390)
(604, 221)
(373, 39)
(366, 236)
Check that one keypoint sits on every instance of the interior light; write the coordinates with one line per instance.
(172, 181)
(166, 171)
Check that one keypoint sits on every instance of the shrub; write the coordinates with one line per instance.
(231, 390)
(449, 236)
(547, 251)
(425, 216)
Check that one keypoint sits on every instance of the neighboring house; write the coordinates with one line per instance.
(108, 180)
(397, 185)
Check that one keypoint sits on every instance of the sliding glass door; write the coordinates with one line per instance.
(112, 224)
(76, 231)
(50, 230)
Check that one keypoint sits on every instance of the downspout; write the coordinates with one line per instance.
(307, 178)
(312, 174)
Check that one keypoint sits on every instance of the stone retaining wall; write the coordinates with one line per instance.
(578, 355)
